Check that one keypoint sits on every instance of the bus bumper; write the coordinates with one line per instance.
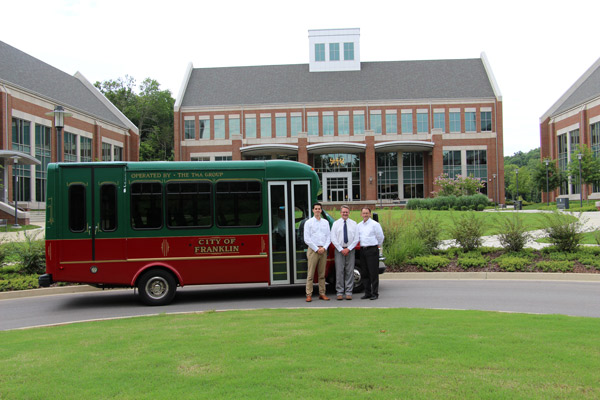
(45, 280)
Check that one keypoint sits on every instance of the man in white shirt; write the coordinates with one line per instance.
(344, 237)
(317, 237)
(371, 238)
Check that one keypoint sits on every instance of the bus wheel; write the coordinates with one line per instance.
(358, 282)
(157, 287)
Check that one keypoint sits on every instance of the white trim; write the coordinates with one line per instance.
(375, 112)
(112, 142)
(312, 114)
(234, 116)
(471, 109)
(454, 110)
(391, 112)
(189, 118)
(488, 69)
(79, 132)
(327, 113)
(439, 110)
(422, 110)
(567, 129)
(32, 118)
(219, 117)
(183, 87)
(406, 111)
(477, 147)
(280, 115)
(595, 119)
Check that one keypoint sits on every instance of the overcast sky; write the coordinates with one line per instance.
(537, 49)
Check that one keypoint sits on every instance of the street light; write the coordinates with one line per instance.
(517, 177)
(16, 190)
(495, 189)
(380, 173)
(580, 182)
(547, 191)
(59, 123)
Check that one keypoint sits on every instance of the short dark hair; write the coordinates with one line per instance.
(366, 208)
(317, 204)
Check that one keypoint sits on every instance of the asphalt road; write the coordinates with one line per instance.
(540, 297)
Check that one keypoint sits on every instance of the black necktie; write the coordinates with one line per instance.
(345, 233)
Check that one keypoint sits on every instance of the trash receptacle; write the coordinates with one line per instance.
(518, 204)
(562, 203)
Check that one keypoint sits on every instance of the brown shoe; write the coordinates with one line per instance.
(308, 299)
(323, 297)
(340, 298)
(348, 297)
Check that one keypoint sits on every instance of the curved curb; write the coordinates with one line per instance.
(18, 294)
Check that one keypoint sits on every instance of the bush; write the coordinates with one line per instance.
(428, 228)
(512, 263)
(430, 263)
(555, 266)
(564, 233)
(18, 282)
(32, 255)
(472, 260)
(401, 240)
(513, 235)
(467, 230)
(473, 202)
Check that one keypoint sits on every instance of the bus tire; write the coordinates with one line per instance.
(157, 287)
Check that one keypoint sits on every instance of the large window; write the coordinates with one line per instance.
(219, 128)
(250, 127)
(189, 204)
(486, 121)
(77, 208)
(376, 123)
(312, 122)
(189, 129)
(359, 124)
(470, 122)
(574, 149)
(42, 153)
(439, 121)
(595, 146)
(265, 127)
(106, 156)
(348, 51)
(454, 122)
(146, 205)
(281, 126)
(391, 123)
(295, 125)
(563, 160)
(117, 153)
(234, 127)
(238, 203)
(328, 126)
(204, 125)
(422, 123)
(334, 52)
(452, 163)
(407, 123)
(412, 174)
(108, 207)
(387, 175)
(70, 147)
(85, 149)
(320, 52)
(477, 166)
(338, 162)
(343, 124)
(21, 141)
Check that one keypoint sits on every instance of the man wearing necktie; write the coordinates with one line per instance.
(344, 237)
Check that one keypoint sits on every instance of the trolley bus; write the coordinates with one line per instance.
(159, 225)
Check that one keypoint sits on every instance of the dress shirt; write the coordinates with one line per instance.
(337, 234)
(370, 233)
(317, 234)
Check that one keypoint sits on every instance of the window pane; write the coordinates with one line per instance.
(376, 123)
(454, 122)
(470, 123)
(334, 51)
(238, 203)
(281, 126)
(486, 121)
(391, 123)
(407, 123)
(146, 205)
(328, 125)
(320, 52)
(204, 125)
(343, 125)
(439, 121)
(265, 127)
(234, 126)
(422, 123)
(313, 125)
(189, 204)
(359, 124)
(219, 129)
(190, 129)
(348, 51)
(77, 208)
(250, 127)
(108, 208)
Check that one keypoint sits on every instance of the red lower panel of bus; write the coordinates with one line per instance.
(194, 260)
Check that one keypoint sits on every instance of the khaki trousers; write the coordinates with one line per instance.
(315, 261)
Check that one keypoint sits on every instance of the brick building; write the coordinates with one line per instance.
(373, 131)
(30, 90)
(573, 120)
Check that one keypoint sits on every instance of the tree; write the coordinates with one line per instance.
(555, 177)
(151, 111)
(590, 166)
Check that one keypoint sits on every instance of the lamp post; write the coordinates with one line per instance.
(580, 182)
(59, 123)
(380, 173)
(495, 188)
(547, 191)
(16, 190)
(517, 177)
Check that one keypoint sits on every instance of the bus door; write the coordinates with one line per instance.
(288, 210)
(92, 209)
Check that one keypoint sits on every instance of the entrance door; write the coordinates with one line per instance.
(337, 186)
(289, 204)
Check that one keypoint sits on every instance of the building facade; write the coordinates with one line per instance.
(373, 131)
(30, 90)
(573, 120)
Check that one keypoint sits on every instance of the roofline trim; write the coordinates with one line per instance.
(183, 87)
(488, 69)
(570, 91)
(111, 107)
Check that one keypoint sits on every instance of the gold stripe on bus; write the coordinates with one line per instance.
(164, 259)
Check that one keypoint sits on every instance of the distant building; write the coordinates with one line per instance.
(373, 131)
(573, 120)
(29, 90)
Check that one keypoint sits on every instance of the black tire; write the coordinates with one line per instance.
(157, 287)
(359, 285)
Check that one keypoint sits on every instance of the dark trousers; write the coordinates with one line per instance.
(369, 265)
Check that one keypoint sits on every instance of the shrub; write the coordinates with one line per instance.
(564, 233)
(467, 230)
(513, 235)
(401, 241)
(472, 260)
(32, 255)
(430, 263)
(18, 282)
(555, 266)
(428, 228)
(512, 263)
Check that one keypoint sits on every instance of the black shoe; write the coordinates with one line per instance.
(374, 297)
(366, 296)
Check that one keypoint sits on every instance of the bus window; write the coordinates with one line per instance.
(238, 203)
(146, 205)
(188, 204)
(77, 220)
(108, 208)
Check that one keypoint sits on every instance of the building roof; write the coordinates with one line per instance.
(376, 81)
(586, 88)
(21, 70)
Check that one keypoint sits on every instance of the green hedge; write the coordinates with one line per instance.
(475, 202)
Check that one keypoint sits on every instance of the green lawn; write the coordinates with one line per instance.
(304, 353)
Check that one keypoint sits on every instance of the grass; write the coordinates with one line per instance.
(324, 353)
(10, 228)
